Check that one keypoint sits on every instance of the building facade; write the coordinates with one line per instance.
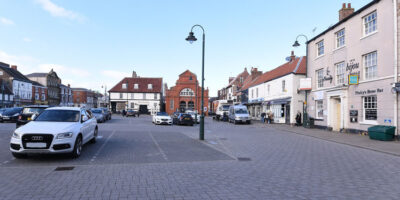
(66, 95)
(137, 93)
(20, 85)
(276, 91)
(185, 95)
(6, 95)
(52, 82)
(83, 97)
(39, 94)
(352, 65)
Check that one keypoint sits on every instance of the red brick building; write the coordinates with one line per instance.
(185, 95)
(39, 94)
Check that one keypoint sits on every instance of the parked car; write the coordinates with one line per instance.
(99, 114)
(11, 115)
(175, 116)
(162, 118)
(193, 114)
(131, 113)
(55, 130)
(239, 114)
(185, 119)
(2, 110)
(29, 112)
(107, 113)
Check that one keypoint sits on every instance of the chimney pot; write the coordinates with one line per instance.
(344, 5)
(349, 5)
(14, 67)
(345, 12)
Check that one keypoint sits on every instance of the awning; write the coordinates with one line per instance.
(279, 101)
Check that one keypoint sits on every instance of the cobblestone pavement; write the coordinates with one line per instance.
(135, 159)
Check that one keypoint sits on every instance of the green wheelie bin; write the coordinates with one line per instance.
(383, 133)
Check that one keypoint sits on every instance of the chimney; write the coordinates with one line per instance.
(292, 56)
(255, 73)
(345, 11)
(14, 67)
(134, 75)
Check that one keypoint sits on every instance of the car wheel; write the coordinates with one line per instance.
(96, 132)
(77, 147)
(19, 155)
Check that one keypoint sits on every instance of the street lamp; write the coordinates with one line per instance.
(191, 38)
(297, 44)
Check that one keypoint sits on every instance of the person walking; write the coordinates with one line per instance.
(123, 113)
(298, 118)
(263, 117)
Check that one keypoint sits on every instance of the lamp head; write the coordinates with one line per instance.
(296, 44)
(191, 38)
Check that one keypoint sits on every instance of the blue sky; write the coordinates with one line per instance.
(91, 43)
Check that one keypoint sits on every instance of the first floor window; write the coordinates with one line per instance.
(36, 96)
(121, 95)
(155, 96)
(319, 105)
(283, 86)
(144, 95)
(320, 78)
(370, 108)
(171, 104)
(340, 71)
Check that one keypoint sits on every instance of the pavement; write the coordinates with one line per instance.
(134, 159)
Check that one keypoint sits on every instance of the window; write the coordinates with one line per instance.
(370, 25)
(252, 93)
(340, 71)
(132, 96)
(370, 108)
(320, 78)
(319, 105)
(144, 95)
(187, 92)
(155, 96)
(36, 96)
(370, 65)
(190, 78)
(340, 38)
(121, 95)
(36, 89)
(320, 48)
(124, 85)
(256, 92)
(283, 86)
(171, 104)
(132, 105)
(150, 86)
(269, 88)
(136, 86)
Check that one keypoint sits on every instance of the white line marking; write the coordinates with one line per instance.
(158, 147)
(102, 146)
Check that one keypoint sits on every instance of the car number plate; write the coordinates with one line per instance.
(36, 145)
(6, 118)
(187, 118)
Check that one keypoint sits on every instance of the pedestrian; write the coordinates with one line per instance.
(270, 117)
(123, 113)
(298, 118)
(263, 117)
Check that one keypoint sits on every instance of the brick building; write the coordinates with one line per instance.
(82, 97)
(39, 94)
(185, 95)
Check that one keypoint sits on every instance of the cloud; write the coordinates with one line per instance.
(26, 39)
(115, 74)
(60, 69)
(6, 21)
(58, 11)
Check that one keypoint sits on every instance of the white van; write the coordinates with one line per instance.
(239, 114)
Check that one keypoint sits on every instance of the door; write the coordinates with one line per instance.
(143, 109)
(338, 114)
(287, 114)
(335, 120)
(85, 126)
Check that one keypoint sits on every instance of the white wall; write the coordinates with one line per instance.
(23, 89)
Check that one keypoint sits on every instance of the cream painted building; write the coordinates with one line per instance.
(363, 46)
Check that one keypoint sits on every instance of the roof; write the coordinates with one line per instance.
(238, 76)
(142, 83)
(14, 73)
(64, 108)
(344, 20)
(37, 75)
(79, 89)
(297, 66)
(36, 84)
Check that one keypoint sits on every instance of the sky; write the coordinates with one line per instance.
(93, 43)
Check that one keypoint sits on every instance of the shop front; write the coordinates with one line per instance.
(254, 107)
(280, 109)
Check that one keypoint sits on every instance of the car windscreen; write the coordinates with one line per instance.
(162, 114)
(225, 107)
(32, 110)
(12, 111)
(241, 111)
(58, 116)
(96, 111)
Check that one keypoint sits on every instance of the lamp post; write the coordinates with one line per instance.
(297, 44)
(191, 38)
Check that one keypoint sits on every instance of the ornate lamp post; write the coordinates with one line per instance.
(297, 44)
(191, 38)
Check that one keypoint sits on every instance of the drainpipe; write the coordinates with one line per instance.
(395, 63)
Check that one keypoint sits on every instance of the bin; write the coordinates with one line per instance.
(383, 133)
(309, 123)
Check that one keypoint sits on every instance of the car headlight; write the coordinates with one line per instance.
(16, 135)
(64, 135)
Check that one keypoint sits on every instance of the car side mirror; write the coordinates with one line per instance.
(84, 118)
(33, 117)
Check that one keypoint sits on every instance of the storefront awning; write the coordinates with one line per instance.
(279, 101)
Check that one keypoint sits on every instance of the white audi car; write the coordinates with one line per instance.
(162, 118)
(55, 130)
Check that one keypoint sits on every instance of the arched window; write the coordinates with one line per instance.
(187, 92)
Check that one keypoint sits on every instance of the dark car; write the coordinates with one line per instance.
(131, 113)
(175, 116)
(107, 113)
(27, 114)
(2, 110)
(11, 115)
(185, 119)
(99, 114)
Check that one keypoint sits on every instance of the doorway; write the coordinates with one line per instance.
(143, 109)
(335, 118)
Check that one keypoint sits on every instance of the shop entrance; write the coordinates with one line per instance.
(287, 116)
(335, 121)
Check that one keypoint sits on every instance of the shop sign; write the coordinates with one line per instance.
(351, 65)
(369, 91)
(353, 79)
(353, 116)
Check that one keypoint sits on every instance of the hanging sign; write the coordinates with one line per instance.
(353, 79)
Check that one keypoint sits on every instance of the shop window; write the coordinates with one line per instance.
(319, 105)
(370, 108)
(370, 65)
(340, 73)
(370, 23)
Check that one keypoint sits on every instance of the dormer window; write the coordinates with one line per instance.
(136, 86)
(150, 86)
(124, 85)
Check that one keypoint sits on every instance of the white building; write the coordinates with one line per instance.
(277, 91)
(137, 93)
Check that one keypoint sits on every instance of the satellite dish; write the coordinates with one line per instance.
(288, 59)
